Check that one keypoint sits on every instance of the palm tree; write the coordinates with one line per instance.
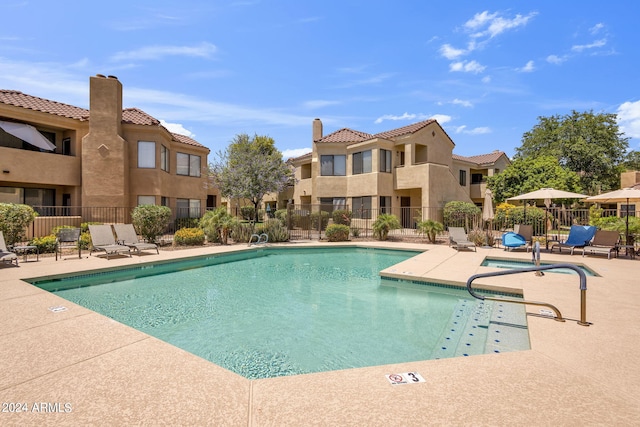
(430, 228)
(383, 224)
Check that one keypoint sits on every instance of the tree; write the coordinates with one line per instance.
(150, 221)
(586, 143)
(249, 169)
(632, 161)
(383, 225)
(530, 174)
(14, 220)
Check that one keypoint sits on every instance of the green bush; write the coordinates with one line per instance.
(186, 223)
(85, 240)
(274, 228)
(461, 214)
(248, 213)
(383, 225)
(430, 229)
(218, 225)
(241, 232)
(45, 244)
(281, 214)
(84, 227)
(337, 233)
(319, 220)
(14, 220)
(189, 237)
(342, 216)
(150, 221)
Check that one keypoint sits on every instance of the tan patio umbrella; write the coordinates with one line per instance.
(487, 208)
(547, 194)
(623, 195)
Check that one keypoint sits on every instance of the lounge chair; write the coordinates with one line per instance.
(458, 238)
(126, 235)
(579, 237)
(102, 240)
(512, 240)
(525, 231)
(604, 242)
(5, 254)
(68, 237)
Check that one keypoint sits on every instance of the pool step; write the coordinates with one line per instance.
(508, 329)
(466, 333)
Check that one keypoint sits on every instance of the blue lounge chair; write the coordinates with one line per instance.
(579, 237)
(512, 240)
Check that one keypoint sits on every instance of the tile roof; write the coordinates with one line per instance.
(138, 117)
(404, 130)
(346, 135)
(481, 159)
(19, 99)
(186, 140)
(129, 115)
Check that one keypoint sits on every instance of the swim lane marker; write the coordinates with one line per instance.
(405, 378)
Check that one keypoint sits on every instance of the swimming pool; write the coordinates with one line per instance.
(516, 263)
(274, 312)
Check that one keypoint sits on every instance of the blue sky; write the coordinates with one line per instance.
(214, 69)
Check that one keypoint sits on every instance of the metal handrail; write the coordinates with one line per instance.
(559, 318)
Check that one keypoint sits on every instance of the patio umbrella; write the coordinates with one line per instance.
(487, 208)
(28, 134)
(547, 194)
(618, 196)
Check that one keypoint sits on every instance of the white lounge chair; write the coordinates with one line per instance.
(5, 254)
(126, 235)
(458, 238)
(102, 240)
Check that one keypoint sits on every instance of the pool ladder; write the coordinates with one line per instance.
(261, 239)
(537, 269)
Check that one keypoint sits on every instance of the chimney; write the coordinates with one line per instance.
(317, 130)
(105, 105)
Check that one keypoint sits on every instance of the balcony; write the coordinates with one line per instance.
(33, 167)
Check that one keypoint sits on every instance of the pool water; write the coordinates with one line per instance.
(276, 312)
(513, 263)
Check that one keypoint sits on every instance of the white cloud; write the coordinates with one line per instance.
(450, 52)
(490, 25)
(441, 118)
(596, 28)
(405, 116)
(528, 67)
(486, 79)
(462, 102)
(203, 50)
(295, 152)
(467, 67)
(629, 118)
(474, 131)
(177, 128)
(555, 59)
(595, 44)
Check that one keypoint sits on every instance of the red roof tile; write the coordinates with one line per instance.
(346, 135)
(186, 140)
(19, 99)
(404, 130)
(481, 159)
(138, 117)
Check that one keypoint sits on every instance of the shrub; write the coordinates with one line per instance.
(186, 223)
(189, 237)
(85, 240)
(458, 214)
(281, 214)
(248, 213)
(14, 219)
(319, 220)
(150, 221)
(218, 225)
(341, 216)
(276, 231)
(430, 229)
(383, 224)
(84, 227)
(337, 233)
(45, 244)
(241, 232)
(355, 231)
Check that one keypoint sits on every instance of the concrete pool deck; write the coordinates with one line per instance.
(77, 367)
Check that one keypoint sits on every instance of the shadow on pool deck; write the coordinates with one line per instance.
(88, 369)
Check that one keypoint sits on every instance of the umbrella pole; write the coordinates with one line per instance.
(546, 227)
(626, 233)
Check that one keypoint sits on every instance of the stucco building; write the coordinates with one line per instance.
(105, 156)
(399, 171)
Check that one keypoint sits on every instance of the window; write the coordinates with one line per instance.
(362, 207)
(188, 208)
(164, 201)
(146, 154)
(66, 146)
(401, 158)
(331, 165)
(188, 164)
(362, 162)
(463, 178)
(477, 178)
(330, 204)
(385, 160)
(164, 158)
(627, 210)
(385, 204)
(146, 200)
